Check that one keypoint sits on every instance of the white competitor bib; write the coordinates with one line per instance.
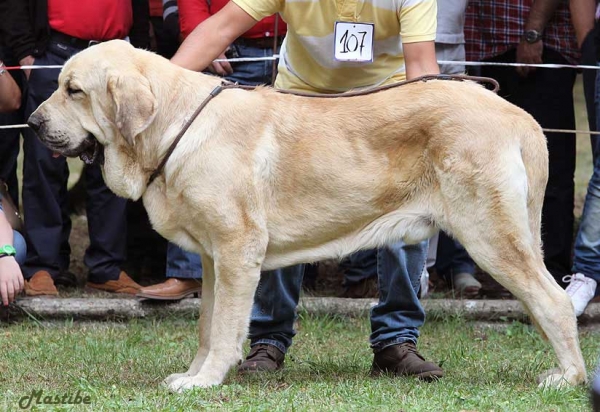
(353, 42)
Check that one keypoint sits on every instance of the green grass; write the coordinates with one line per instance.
(121, 365)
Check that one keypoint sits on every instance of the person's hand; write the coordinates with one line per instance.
(220, 68)
(11, 279)
(529, 53)
(27, 61)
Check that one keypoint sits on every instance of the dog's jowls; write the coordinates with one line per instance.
(263, 180)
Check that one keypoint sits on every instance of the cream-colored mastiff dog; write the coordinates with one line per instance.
(264, 179)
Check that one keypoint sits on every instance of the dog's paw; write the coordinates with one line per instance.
(174, 377)
(554, 378)
(186, 383)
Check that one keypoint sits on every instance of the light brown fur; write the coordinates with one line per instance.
(264, 180)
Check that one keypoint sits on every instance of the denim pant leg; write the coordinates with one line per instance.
(586, 257)
(252, 73)
(452, 258)
(359, 266)
(183, 264)
(274, 310)
(399, 314)
(20, 246)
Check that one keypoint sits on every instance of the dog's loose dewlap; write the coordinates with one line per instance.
(263, 180)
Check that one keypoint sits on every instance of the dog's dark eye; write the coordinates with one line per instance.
(71, 91)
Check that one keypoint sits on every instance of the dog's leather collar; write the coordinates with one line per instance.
(187, 125)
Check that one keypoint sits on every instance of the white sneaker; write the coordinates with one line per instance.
(581, 289)
(466, 285)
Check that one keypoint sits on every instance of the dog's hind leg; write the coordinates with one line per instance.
(204, 322)
(502, 244)
(237, 273)
(552, 312)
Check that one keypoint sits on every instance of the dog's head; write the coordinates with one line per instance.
(103, 99)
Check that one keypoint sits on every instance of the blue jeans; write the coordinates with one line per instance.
(359, 266)
(20, 246)
(183, 264)
(452, 258)
(586, 258)
(395, 319)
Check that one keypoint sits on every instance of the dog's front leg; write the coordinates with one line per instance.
(206, 310)
(236, 279)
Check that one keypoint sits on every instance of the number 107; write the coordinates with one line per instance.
(352, 42)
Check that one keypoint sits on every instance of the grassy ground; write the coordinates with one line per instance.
(120, 366)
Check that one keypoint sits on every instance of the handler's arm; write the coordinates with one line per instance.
(10, 94)
(210, 38)
(540, 14)
(420, 59)
(582, 17)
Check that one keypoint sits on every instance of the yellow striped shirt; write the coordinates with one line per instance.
(307, 61)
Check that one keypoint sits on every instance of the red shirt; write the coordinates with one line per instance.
(493, 27)
(194, 12)
(156, 8)
(91, 19)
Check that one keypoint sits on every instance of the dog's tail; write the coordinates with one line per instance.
(534, 152)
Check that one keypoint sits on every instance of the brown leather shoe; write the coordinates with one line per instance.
(262, 358)
(172, 289)
(40, 284)
(122, 285)
(405, 360)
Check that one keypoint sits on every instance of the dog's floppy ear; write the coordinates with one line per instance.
(135, 104)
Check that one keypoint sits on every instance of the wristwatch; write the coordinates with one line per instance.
(532, 36)
(2, 68)
(7, 250)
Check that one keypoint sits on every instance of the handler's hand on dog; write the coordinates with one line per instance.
(11, 279)
(220, 68)
(529, 53)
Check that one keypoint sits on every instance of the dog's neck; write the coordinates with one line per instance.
(183, 93)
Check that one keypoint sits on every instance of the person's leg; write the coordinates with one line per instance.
(456, 267)
(359, 268)
(20, 246)
(184, 276)
(399, 314)
(183, 264)
(107, 226)
(586, 257)
(44, 182)
(396, 319)
(273, 316)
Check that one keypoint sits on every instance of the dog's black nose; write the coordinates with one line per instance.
(35, 122)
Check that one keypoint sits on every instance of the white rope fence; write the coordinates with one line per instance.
(444, 62)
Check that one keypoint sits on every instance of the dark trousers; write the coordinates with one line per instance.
(547, 94)
(452, 258)
(47, 221)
